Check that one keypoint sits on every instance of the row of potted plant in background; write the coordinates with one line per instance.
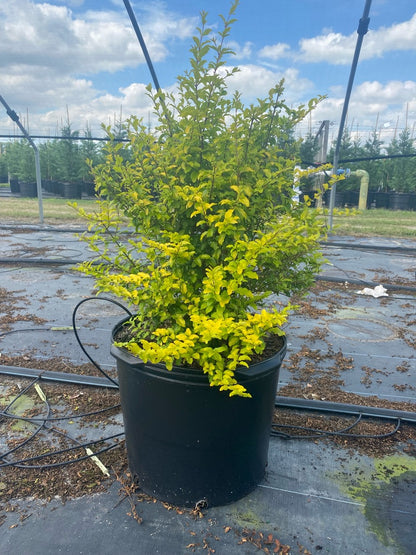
(70, 190)
(61, 160)
(376, 199)
(395, 174)
(66, 161)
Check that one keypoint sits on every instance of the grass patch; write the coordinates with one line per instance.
(379, 222)
(55, 211)
(364, 223)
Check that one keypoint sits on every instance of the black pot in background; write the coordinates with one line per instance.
(51, 186)
(89, 189)
(14, 186)
(187, 441)
(400, 201)
(47, 185)
(58, 188)
(381, 199)
(28, 189)
(72, 190)
(351, 198)
(339, 201)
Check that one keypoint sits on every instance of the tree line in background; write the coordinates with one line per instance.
(68, 161)
(389, 175)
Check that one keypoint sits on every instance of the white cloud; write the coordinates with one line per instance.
(254, 81)
(50, 51)
(400, 36)
(51, 56)
(52, 37)
(241, 52)
(393, 92)
(41, 91)
(275, 51)
(370, 102)
(335, 48)
(105, 108)
(71, 3)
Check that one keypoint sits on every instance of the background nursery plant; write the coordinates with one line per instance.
(207, 197)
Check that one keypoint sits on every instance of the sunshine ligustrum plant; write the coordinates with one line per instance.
(196, 224)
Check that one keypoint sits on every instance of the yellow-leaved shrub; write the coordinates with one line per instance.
(196, 224)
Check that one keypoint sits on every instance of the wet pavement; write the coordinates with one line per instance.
(315, 497)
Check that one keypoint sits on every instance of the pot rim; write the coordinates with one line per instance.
(242, 373)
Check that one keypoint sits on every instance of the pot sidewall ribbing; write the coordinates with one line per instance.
(187, 441)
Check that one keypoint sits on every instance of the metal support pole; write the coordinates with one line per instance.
(148, 60)
(323, 135)
(361, 31)
(38, 181)
(14, 117)
(321, 156)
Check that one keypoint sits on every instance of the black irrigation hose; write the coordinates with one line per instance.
(34, 419)
(368, 247)
(40, 261)
(66, 138)
(38, 429)
(43, 425)
(61, 377)
(355, 281)
(342, 244)
(23, 462)
(79, 445)
(324, 433)
(78, 338)
(361, 159)
(318, 277)
(20, 463)
(22, 392)
(360, 281)
(11, 332)
(320, 432)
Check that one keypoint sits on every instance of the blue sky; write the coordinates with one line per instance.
(81, 57)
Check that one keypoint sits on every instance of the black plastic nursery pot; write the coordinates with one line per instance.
(400, 201)
(188, 442)
(14, 186)
(28, 189)
(72, 190)
(381, 199)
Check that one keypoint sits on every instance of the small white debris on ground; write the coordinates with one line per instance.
(378, 291)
